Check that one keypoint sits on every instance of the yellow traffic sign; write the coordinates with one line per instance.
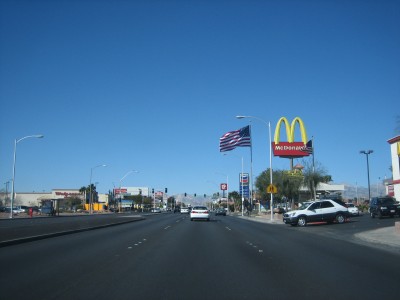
(272, 189)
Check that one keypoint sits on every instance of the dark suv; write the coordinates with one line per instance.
(384, 206)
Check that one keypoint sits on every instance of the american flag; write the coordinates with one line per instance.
(236, 138)
(309, 147)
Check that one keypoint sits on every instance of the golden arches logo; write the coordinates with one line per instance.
(290, 128)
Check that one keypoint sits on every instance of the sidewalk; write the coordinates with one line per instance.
(389, 236)
(264, 218)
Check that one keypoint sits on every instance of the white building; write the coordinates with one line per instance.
(132, 191)
(393, 186)
(35, 199)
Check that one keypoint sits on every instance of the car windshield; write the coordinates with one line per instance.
(386, 201)
(350, 205)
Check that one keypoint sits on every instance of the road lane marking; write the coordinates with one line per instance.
(254, 246)
(228, 228)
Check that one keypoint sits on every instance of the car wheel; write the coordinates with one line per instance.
(191, 219)
(302, 221)
(340, 218)
(379, 215)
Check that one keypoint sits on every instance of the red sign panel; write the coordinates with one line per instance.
(118, 191)
(286, 149)
(224, 186)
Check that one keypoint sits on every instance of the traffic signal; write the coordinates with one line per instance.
(204, 195)
(185, 194)
(195, 194)
(166, 190)
(152, 191)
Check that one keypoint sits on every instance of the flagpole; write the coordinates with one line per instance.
(313, 161)
(270, 170)
(242, 187)
(251, 168)
(313, 164)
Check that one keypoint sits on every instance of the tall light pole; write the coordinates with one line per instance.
(7, 183)
(270, 157)
(241, 181)
(377, 187)
(90, 188)
(39, 136)
(120, 187)
(367, 153)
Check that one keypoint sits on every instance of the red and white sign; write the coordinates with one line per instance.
(224, 186)
(118, 191)
(286, 149)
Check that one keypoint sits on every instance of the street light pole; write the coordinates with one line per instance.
(90, 188)
(39, 136)
(120, 187)
(270, 156)
(270, 170)
(367, 153)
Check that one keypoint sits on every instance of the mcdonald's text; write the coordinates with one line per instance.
(286, 149)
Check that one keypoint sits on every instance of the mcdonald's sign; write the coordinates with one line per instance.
(290, 149)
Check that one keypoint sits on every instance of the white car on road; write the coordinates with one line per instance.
(353, 210)
(326, 210)
(184, 210)
(200, 212)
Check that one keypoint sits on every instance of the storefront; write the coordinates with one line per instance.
(393, 186)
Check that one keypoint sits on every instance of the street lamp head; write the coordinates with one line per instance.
(39, 136)
(366, 152)
(240, 117)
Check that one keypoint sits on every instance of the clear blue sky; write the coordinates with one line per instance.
(152, 85)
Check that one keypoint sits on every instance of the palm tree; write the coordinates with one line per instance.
(86, 191)
(313, 176)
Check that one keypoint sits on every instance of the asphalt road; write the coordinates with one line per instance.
(167, 256)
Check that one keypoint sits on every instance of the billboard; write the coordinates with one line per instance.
(290, 149)
(244, 178)
(244, 189)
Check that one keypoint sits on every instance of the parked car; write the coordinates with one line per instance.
(220, 212)
(384, 207)
(353, 210)
(16, 210)
(156, 210)
(319, 211)
(19, 209)
(199, 213)
(184, 210)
